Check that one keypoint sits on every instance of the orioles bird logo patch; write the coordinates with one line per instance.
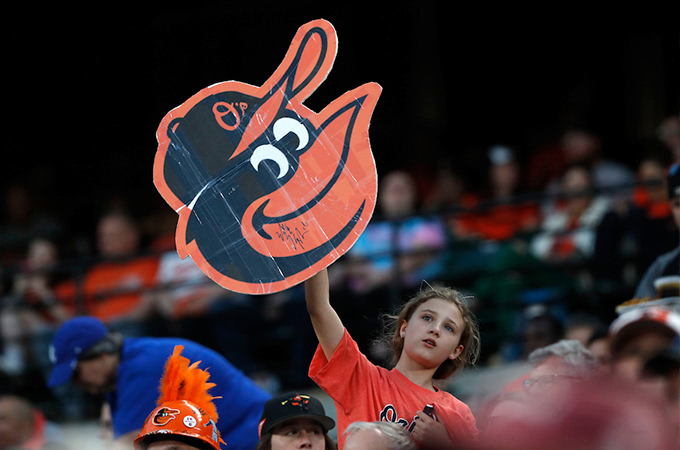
(164, 415)
(267, 191)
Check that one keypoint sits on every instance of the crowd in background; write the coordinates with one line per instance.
(547, 246)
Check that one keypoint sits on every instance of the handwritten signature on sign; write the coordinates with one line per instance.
(293, 237)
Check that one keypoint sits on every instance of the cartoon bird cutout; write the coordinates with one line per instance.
(267, 191)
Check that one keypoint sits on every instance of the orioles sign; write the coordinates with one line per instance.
(267, 191)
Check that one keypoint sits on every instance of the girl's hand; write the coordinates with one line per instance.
(431, 431)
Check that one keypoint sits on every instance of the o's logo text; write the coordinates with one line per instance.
(222, 110)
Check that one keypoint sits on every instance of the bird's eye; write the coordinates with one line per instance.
(269, 152)
(287, 125)
(282, 128)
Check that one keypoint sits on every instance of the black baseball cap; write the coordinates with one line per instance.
(293, 405)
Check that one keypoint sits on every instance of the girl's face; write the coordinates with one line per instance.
(432, 334)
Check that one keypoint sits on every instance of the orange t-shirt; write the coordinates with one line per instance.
(112, 289)
(363, 391)
(500, 222)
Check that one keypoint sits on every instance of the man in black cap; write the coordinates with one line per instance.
(667, 264)
(295, 421)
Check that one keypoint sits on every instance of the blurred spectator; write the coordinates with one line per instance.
(544, 165)
(556, 368)
(639, 334)
(668, 133)
(581, 326)
(182, 289)
(568, 232)
(668, 263)
(643, 227)
(377, 436)
(448, 191)
(582, 147)
(576, 146)
(599, 345)
(31, 307)
(593, 415)
(541, 329)
(22, 426)
(396, 241)
(645, 347)
(557, 365)
(112, 288)
(500, 216)
(23, 221)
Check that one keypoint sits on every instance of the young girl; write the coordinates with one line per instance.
(435, 335)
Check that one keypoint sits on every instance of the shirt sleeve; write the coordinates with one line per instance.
(460, 424)
(645, 287)
(346, 374)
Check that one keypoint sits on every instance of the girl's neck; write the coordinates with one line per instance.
(418, 375)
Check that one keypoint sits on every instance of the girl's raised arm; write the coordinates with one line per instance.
(326, 322)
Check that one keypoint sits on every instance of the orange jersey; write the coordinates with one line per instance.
(112, 289)
(363, 391)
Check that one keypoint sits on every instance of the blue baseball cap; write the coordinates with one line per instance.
(74, 337)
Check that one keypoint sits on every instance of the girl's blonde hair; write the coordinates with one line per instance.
(469, 339)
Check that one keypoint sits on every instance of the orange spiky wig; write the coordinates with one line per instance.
(184, 381)
(184, 408)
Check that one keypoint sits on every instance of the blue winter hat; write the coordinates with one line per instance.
(73, 338)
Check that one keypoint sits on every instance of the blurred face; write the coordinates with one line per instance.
(600, 348)
(539, 333)
(574, 183)
(579, 146)
(13, 429)
(116, 237)
(504, 178)
(433, 333)
(397, 194)
(298, 434)
(630, 359)
(448, 185)
(671, 134)
(549, 376)
(649, 171)
(366, 440)
(41, 255)
(97, 375)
